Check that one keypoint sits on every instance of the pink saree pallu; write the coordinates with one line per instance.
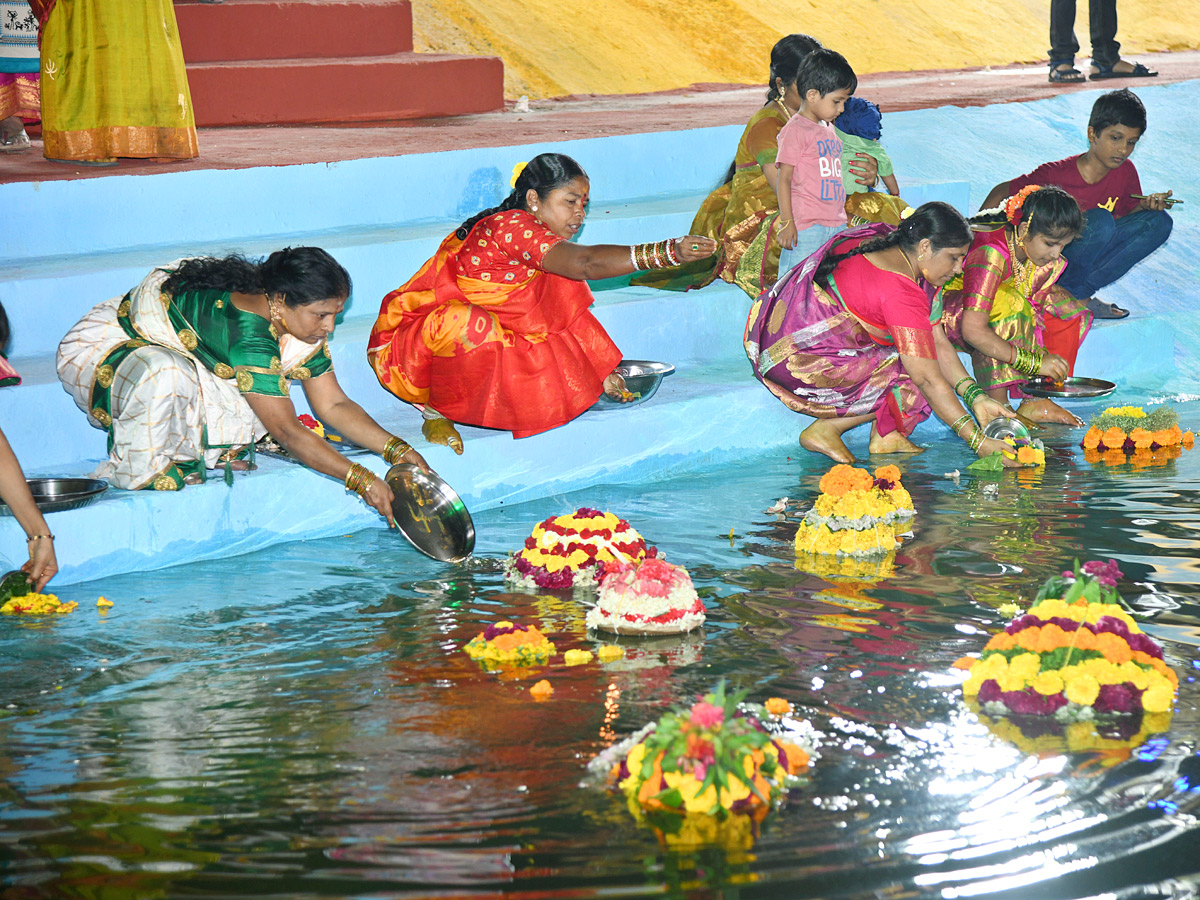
(817, 357)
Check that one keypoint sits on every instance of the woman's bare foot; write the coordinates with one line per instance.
(242, 465)
(823, 436)
(442, 431)
(1046, 410)
(615, 389)
(893, 442)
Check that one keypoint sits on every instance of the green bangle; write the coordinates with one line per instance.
(959, 423)
(971, 394)
(958, 383)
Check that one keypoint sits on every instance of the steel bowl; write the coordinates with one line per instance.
(1068, 388)
(430, 515)
(1002, 428)
(642, 379)
(59, 494)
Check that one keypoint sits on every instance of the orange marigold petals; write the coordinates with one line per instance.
(1091, 440)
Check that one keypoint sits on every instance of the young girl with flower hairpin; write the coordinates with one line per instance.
(1006, 308)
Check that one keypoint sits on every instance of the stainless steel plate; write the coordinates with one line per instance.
(268, 446)
(58, 494)
(1069, 389)
(430, 514)
(642, 378)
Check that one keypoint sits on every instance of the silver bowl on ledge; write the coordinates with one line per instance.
(642, 379)
(59, 494)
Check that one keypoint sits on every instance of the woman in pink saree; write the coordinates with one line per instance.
(853, 335)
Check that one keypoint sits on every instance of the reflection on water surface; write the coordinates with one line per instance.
(302, 723)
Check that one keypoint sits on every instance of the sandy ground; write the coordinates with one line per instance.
(583, 116)
(552, 48)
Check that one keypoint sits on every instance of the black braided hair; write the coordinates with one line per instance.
(941, 223)
(302, 274)
(786, 56)
(543, 174)
(1049, 210)
(5, 333)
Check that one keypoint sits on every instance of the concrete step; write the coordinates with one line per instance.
(278, 29)
(391, 87)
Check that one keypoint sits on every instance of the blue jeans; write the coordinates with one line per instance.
(808, 242)
(1108, 248)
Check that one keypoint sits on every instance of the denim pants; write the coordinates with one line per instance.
(1108, 248)
(1102, 16)
(808, 242)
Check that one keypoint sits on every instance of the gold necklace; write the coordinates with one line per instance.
(1023, 272)
(916, 279)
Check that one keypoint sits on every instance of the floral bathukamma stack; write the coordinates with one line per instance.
(508, 643)
(652, 597)
(719, 757)
(1124, 433)
(571, 551)
(856, 514)
(1073, 655)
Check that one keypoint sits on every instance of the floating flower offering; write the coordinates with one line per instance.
(1130, 429)
(856, 514)
(1074, 654)
(1112, 739)
(717, 758)
(32, 604)
(571, 551)
(311, 424)
(506, 643)
(651, 597)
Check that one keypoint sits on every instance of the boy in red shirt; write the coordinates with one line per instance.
(1121, 231)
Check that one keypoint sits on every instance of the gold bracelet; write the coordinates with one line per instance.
(38, 537)
(394, 449)
(359, 479)
(783, 223)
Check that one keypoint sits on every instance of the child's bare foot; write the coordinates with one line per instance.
(893, 442)
(615, 389)
(442, 431)
(824, 437)
(1046, 410)
(242, 465)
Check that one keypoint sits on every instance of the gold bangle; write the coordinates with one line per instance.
(359, 479)
(783, 223)
(394, 449)
(38, 537)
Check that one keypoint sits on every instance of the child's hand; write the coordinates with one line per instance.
(787, 236)
(1156, 201)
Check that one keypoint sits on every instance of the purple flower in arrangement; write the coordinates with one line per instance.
(494, 631)
(1118, 698)
(1030, 703)
(989, 691)
(522, 565)
(586, 512)
(1107, 573)
(554, 581)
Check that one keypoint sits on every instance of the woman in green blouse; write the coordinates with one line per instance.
(191, 367)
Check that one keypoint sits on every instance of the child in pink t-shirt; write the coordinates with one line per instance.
(811, 196)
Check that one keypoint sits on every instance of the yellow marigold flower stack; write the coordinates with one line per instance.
(1074, 654)
(856, 514)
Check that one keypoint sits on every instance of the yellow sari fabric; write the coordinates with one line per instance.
(113, 82)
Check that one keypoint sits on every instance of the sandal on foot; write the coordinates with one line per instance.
(1101, 310)
(1106, 72)
(1069, 75)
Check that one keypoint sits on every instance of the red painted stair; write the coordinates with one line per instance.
(276, 62)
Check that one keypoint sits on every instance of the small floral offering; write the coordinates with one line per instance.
(651, 597)
(33, 604)
(541, 690)
(571, 551)
(716, 758)
(1129, 429)
(506, 643)
(1074, 654)
(311, 424)
(577, 657)
(856, 514)
(610, 652)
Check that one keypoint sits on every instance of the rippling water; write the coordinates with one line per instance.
(301, 722)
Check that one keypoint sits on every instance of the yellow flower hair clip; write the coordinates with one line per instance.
(517, 170)
(906, 212)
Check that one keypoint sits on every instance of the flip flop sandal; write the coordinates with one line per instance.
(1066, 76)
(1102, 310)
(1139, 71)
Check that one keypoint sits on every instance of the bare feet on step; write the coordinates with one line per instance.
(823, 436)
(893, 442)
(442, 431)
(1046, 410)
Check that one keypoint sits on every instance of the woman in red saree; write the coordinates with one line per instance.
(850, 336)
(495, 329)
